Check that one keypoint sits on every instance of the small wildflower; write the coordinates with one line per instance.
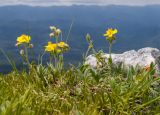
(147, 68)
(62, 45)
(50, 47)
(110, 34)
(57, 32)
(23, 39)
(30, 45)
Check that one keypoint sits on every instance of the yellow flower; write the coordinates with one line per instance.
(110, 33)
(23, 39)
(62, 45)
(50, 47)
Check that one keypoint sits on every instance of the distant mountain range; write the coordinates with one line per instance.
(139, 26)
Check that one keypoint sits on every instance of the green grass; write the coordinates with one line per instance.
(80, 91)
(107, 90)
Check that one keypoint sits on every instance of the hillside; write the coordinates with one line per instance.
(42, 82)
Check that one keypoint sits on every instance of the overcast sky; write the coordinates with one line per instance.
(84, 2)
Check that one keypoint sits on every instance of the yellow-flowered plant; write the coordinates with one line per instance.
(63, 46)
(23, 42)
(50, 47)
(57, 48)
(110, 36)
(23, 39)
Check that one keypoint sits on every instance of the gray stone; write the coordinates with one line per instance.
(143, 57)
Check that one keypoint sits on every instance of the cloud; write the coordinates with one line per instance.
(82, 2)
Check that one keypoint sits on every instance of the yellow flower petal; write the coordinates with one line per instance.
(115, 31)
(105, 35)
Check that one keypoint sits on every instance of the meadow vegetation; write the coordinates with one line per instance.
(77, 90)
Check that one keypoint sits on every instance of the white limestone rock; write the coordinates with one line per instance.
(143, 57)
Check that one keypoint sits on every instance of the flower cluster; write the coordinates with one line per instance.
(59, 46)
(56, 47)
(55, 32)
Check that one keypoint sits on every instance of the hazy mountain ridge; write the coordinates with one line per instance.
(138, 26)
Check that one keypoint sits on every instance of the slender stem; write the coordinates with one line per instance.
(42, 57)
(93, 50)
(61, 36)
(50, 58)
(110, 49)
(61, 61)
(69, 31)
(55, 55)
(149, 102)
(56, 40)
(26, 54)
(55, 59)
(87, 52)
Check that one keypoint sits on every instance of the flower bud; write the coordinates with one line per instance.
(58, 51)
(58, 31)
(66, 48)
(17, 44)
(51, 35)
(22, 52)
(88, 37)
(66, 45)
(30, 45)
(53, 28)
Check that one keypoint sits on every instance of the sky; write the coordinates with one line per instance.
(79, 2)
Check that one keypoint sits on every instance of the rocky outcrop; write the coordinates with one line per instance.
(143, 57)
